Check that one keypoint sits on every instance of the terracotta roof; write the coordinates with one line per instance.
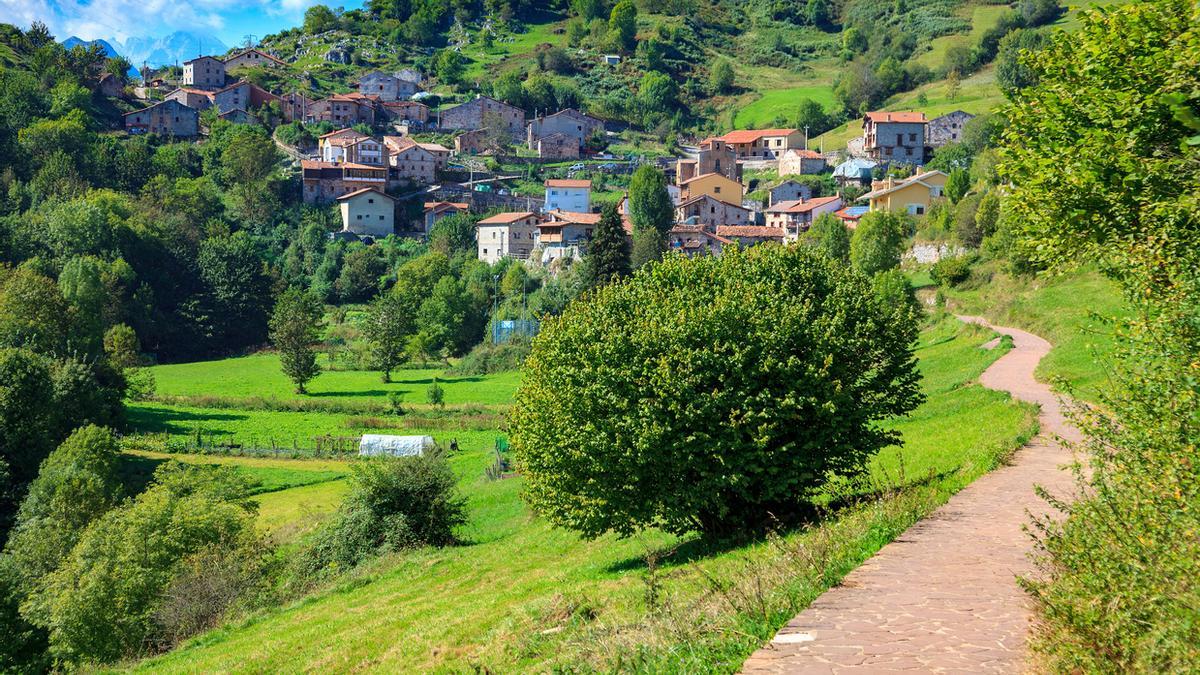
(706, 175)
(441, 206)
(360, 191)
(751, 135)
(506, 218)
(906, 117)
(568, 183)
(340, 131)
(352, 165)
(701, 197)
(575, 217)
(404, 104)
(750, 231)
(801, 206)
(190, 90)
(344, 141)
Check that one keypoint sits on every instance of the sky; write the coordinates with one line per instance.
(229, 20)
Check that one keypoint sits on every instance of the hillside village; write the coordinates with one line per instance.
(696, 336)
(374, 162)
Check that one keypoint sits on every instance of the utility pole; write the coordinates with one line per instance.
(251, 40)
(806, 137)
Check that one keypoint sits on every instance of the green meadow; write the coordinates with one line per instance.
(518, 594)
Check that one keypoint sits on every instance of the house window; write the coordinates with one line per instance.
(485, 251)
(717, 189)
(358, 217)
(916, 209)
(381, 217)
(370, 201)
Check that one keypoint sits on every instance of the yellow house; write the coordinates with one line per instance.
(911, 195)
(714, 185)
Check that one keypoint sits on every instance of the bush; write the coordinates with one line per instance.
(435, 395)
(951, 271)
(100, 605)
(394, 503)
(711, 394)
(487, 358)
(878, 242)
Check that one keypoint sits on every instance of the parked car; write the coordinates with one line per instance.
(576, 167)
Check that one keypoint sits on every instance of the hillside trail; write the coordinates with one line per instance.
(943, 597)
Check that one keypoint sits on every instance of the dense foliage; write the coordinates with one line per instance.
(1103, 153)
(711, 394)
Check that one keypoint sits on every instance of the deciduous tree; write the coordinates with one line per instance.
(295, 329)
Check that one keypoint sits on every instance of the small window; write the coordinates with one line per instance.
(381, 217)
(370, 201)
(717, 189)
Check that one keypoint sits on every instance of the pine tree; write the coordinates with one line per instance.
(608, 253)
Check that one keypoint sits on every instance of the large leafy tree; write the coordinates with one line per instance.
(711, 394)
(878, 242)
(1103, 152)
(831, 236)
(389, 324)
(622, 25)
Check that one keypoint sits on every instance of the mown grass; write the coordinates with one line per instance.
(1071, 311)
(260, 375)
(520, 595)
(773, 103)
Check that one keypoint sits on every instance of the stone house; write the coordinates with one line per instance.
(694, 240)
(204, 72)
(557, 146)
(749, 235)
(441, 154)
(481, 110)
(168, 118)
(566, 194)
(507, 235)
(760, 144)
(709, 211)
(197, 99)
(946, 129)
(471, 142)
(343, 110)
(368, 212)
(387, 87)
(251, 58)
(801, 161)
(713, 184)
(795, 217)
(435, 211)
(713, 156)
(894, 136)
(294, 106)
(238, 116)
(910, 195)
(788, 190)
(406, 111)
(410, 161)
(324, 182)
(569, 123)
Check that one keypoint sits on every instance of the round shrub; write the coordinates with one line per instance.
(951, 271)
(714, 394)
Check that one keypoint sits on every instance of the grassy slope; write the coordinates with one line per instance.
(488, 603)
(1067, 310)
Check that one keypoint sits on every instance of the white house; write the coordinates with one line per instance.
(368, 212)
(507, 235)
(564, 194)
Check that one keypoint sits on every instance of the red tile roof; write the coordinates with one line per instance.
(801, 206)
(360, 191)
(568, 183)
(751, 135)
(575, 217)
(506, 218)
(906, 117)
(706, 175)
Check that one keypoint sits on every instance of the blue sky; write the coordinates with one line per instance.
(229, 20)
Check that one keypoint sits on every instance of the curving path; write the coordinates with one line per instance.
(943, 596)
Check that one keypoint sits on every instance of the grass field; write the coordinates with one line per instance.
(983, 17)
(1069, 310)
(519, 595)
(772, 103)
(260, 375)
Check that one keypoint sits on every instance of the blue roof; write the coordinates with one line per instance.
(855, 167)
(855, 210)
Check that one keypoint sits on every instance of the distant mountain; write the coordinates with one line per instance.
(109, 50)
(179, 46)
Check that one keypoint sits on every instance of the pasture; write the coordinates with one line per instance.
(518, 594)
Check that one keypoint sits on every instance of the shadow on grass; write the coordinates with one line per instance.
(136, 472)
(698, 548)
(170, 421)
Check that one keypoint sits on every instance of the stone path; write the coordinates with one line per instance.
(943, 597)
